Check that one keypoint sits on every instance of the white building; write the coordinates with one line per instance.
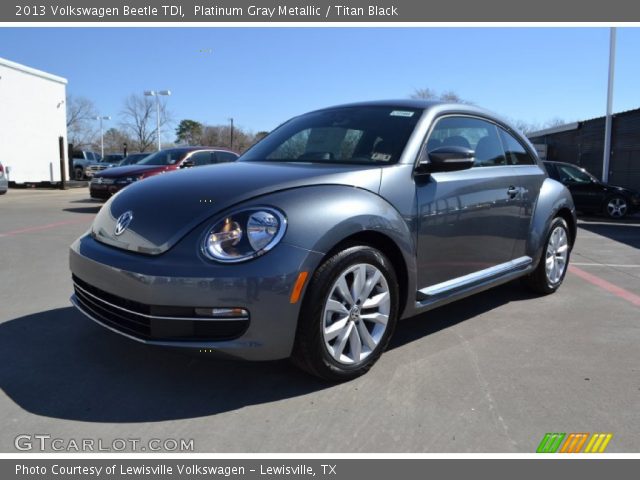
(32, 119)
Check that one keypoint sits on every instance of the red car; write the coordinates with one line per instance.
(106, 183)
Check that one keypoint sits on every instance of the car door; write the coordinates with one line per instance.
(466, 219)
(586, 193)
(529, 176)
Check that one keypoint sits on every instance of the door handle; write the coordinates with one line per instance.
(513, 192)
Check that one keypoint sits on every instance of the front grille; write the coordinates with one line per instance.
(154, 322)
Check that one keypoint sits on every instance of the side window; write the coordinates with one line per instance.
(224, 157)
(201, 158)
(516, 153)
(474, 133)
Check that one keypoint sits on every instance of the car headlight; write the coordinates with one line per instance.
(244, 234)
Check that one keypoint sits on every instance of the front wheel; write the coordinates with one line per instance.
(553, 264)
(616, 207)
(348, 315)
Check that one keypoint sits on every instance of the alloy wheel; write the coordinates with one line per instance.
(556, 255)
(356, 314)
(617, 207)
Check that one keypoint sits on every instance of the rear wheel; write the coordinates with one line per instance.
(616, 207)
(552, 267)
(348, 315)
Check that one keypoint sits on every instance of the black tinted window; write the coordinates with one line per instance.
(224, 157)
(551, 170)
(472, 133)
(516, 153)
(201, 158)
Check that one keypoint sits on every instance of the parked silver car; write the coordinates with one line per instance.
(324, 234)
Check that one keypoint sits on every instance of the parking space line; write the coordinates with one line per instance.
(43, 227)
(605, 285)
(614, 265)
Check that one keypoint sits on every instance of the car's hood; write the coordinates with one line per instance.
(129, 170)
(623, 190)
(167, 207)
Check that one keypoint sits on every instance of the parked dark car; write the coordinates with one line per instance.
(133, 158)
(108, 182)
(590, 195)
(324, 234)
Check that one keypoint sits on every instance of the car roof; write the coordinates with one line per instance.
(465, 108)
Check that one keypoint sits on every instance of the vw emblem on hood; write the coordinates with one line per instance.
(123, 222)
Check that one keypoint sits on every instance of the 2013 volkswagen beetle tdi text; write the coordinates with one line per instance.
(324, 234)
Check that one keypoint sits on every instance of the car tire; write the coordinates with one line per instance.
(78, 173)
(362, 327)
(554, 260)
(616, 207)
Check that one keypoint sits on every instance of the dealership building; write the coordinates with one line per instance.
(582, 143)
(33, 124)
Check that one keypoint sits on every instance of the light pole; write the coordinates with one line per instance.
(607, 125)
(101, 118)
(157, 93)
(231, 139)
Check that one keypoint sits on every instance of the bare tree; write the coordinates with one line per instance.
(139, 114)
(114, 140)
(554, 122)
(220, 136)
(81, 114)
(424, 94)
(446, 96)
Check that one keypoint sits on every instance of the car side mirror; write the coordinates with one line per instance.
(447, 159)
(187, 164)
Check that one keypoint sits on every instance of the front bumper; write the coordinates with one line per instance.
(103, 191)
(159, 294)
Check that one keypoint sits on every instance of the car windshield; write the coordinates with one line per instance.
(573, 174)
(366, 135)
(133, 158)
(164, 157)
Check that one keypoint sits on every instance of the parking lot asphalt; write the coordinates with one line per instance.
(491, 373)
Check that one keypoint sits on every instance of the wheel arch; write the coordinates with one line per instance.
(389, 249)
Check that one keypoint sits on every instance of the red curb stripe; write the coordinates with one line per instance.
(609, 287)
(43, 227)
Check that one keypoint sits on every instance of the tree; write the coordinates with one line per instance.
(189, 132)
(139, 114)
(114, 140)
(424, 94)
(220, 136)
(554, 122)
(81, 114)
(446, 96)
(260, 135)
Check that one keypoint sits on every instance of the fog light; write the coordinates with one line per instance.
(233, 313)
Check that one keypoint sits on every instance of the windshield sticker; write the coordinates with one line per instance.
(401, 113)
(382, 157)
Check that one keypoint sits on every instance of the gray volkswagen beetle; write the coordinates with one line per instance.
(324, 234)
